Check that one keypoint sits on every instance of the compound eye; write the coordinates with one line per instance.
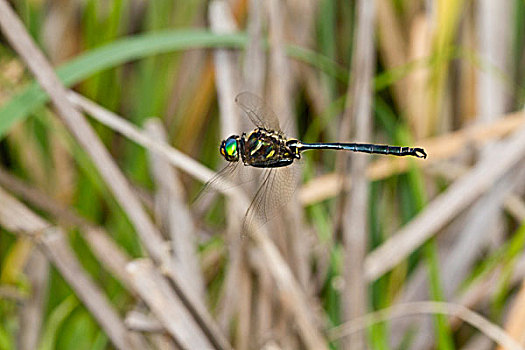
(231, 148)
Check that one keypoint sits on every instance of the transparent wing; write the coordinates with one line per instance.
(276, 189)
(223, 174)
(255, 108)
(232, 175)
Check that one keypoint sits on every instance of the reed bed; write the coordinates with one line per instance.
(111, 113)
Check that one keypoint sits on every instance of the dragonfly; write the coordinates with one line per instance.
(268, 147)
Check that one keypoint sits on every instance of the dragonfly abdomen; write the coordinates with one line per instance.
(365, 148)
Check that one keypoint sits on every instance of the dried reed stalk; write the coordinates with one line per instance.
(222, 21)
(174, 214)
(157, 293)
(105, 249)
(17, 218)
(354, 223)
(33, 309)
(495, 333)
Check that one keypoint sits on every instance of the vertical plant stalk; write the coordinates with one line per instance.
(279, 71)
(173, 213)
(281, 80)
(418, 103)
(495, 22)
(445, 15)
(393, 47)
(254, 67)
(255, 60)
(32, 310)
(354, 221)
(222, 21)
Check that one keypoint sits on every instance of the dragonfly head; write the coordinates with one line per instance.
(230, 148)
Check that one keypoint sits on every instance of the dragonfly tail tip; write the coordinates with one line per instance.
(420, 153)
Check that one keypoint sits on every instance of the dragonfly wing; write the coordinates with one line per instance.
(224, 174)
(255, 108)
(256, 214)
(286, 182)
(230, 176)
(276, 189)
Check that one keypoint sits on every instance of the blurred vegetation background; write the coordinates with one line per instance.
(445, 75)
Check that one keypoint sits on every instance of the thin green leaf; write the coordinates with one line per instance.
(136, 47)
(56, 319)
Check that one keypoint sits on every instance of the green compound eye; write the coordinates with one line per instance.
(231, 147)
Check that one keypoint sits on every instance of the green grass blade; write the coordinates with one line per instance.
(109, 56)
(132, 48)
(6, 340)
(56, 319)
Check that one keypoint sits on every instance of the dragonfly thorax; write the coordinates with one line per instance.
(266, 149)
(261, 148)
